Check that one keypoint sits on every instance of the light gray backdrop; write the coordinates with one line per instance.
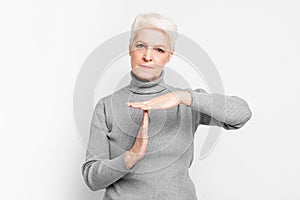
(254, 45)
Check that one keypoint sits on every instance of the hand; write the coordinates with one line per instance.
(139, 147)
(166, 101)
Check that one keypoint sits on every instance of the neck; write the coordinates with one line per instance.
(145, 80)
(141, 86)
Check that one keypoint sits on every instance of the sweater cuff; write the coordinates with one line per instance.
(118, 164)
(199, 99)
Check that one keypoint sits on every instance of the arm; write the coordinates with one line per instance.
(230, 112)
(98, 170)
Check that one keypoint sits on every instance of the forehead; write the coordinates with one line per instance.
(152, 37)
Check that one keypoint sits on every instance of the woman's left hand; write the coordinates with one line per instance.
(163, 102)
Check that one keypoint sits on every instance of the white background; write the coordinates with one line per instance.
(254, 44)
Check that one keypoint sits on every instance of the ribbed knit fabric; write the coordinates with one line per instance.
(163, 174)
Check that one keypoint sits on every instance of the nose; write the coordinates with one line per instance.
(148, 54)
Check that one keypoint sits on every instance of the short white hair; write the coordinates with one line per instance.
(155, 21)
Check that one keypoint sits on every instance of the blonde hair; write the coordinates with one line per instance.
(155, 21)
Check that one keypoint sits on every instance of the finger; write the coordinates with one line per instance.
(137, 106)
(140, 106)
(143, 133)
(138, 103)
(145, 119)
(146, 114)
(156, 107)
(149, 107)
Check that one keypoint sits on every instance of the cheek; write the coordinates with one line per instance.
(162, 61)
(135, 57)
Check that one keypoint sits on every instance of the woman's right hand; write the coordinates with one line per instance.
(138, 150)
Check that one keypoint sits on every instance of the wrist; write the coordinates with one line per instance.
(130, 159)
(184, 97)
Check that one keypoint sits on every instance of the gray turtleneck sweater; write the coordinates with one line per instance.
(163, 173)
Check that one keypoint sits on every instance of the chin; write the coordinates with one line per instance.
(146, 76)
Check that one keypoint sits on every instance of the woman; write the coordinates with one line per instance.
(141, 136)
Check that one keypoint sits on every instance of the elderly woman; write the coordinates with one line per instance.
(141, 136)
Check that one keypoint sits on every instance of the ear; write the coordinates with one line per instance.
(170, 56)
(129, 47)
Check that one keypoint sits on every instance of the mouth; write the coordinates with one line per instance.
(146, 66)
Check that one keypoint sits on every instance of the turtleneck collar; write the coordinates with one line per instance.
(147, 87)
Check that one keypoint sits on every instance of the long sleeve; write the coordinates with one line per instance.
(98, 170)
(229, 112)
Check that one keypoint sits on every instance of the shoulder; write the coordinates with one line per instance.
(106, 100)
(103, 107)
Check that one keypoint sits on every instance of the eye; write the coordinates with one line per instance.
(140, 46)
(160, 50)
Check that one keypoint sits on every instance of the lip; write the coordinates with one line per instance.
(146, 66)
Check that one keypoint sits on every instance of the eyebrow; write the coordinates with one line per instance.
(159, 45)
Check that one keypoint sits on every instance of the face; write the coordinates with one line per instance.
(149, 52)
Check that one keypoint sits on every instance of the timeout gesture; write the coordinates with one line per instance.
(163, 102)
